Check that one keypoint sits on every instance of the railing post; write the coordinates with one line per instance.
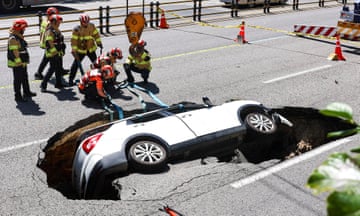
(157, 13)
(194, 13)
(199, 11)
(107, 19)
(101, 20)
(40, 19)
(151, 14)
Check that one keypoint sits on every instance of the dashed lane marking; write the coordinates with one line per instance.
(15, 147)
(297, 74)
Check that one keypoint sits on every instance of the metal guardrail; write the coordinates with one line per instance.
(110, 20)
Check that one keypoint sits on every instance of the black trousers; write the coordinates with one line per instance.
(21, 80)
(74, 67)
(55, 66)
(131, 67)
(44, 62)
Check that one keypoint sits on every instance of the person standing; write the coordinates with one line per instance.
(44, 25)
(18, 59)
(138, 61)
(55, 48)
(84, 41)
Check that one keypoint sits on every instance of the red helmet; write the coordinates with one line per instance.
(107, 71)
(142, 43)
(101, 60)
(19, 24)
(116, 52)
(56, 18)
(52, 10)
(84, 19)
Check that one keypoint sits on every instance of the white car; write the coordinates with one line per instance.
(146, 142)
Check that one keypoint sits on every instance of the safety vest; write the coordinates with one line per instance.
(17, 52)
(54, 41)
(43, 27)
(143, 60)
(85, 39)
(91, 77)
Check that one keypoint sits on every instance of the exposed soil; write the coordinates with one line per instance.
(309, 131)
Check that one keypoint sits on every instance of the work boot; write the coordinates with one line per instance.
(30, 94)
(42, 88)
(60, 86)
(19, 98)
(71, 83)
(38, 76)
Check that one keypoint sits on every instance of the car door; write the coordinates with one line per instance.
(211, 120)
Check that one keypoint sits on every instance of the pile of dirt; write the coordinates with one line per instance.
(309, 131)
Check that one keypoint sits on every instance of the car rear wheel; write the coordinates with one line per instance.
(146, 155)
(260, 123)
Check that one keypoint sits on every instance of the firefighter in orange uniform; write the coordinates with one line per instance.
(92, 84)
(84, 41)
(18, 58)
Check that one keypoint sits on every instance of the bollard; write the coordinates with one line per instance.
(107, 19)
(101, 20)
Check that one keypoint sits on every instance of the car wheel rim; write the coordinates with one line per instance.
(148, 153)
(261, 122)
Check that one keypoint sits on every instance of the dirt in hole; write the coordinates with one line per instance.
(309, 131)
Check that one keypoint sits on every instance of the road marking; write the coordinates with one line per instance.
(11, 148)
(288, 163)
(297, 74)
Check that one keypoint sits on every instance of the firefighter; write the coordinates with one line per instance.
(18, 59)
(55, 49)
(138, 61)
(114, 54)
(92, 84)
(44, 25)
(84, 41)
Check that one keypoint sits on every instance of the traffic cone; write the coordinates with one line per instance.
(241, 34)
(337, 55)
(163, 23)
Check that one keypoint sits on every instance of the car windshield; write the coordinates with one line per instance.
(157, 114)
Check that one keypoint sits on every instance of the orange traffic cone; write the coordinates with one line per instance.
(163, 23)
(338, 53)
(241, 34)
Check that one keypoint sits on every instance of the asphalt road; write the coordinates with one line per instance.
(188, 63)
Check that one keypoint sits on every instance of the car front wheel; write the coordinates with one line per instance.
(260, 123)
(146, 155)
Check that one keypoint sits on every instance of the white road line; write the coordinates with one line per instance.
(11, 148)
(286, 164)
(297, 74)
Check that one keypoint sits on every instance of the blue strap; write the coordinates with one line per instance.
(157, 100)
(107, 109)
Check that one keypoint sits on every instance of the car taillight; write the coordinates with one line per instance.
(90, 143)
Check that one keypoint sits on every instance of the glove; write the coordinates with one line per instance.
(107, 99)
